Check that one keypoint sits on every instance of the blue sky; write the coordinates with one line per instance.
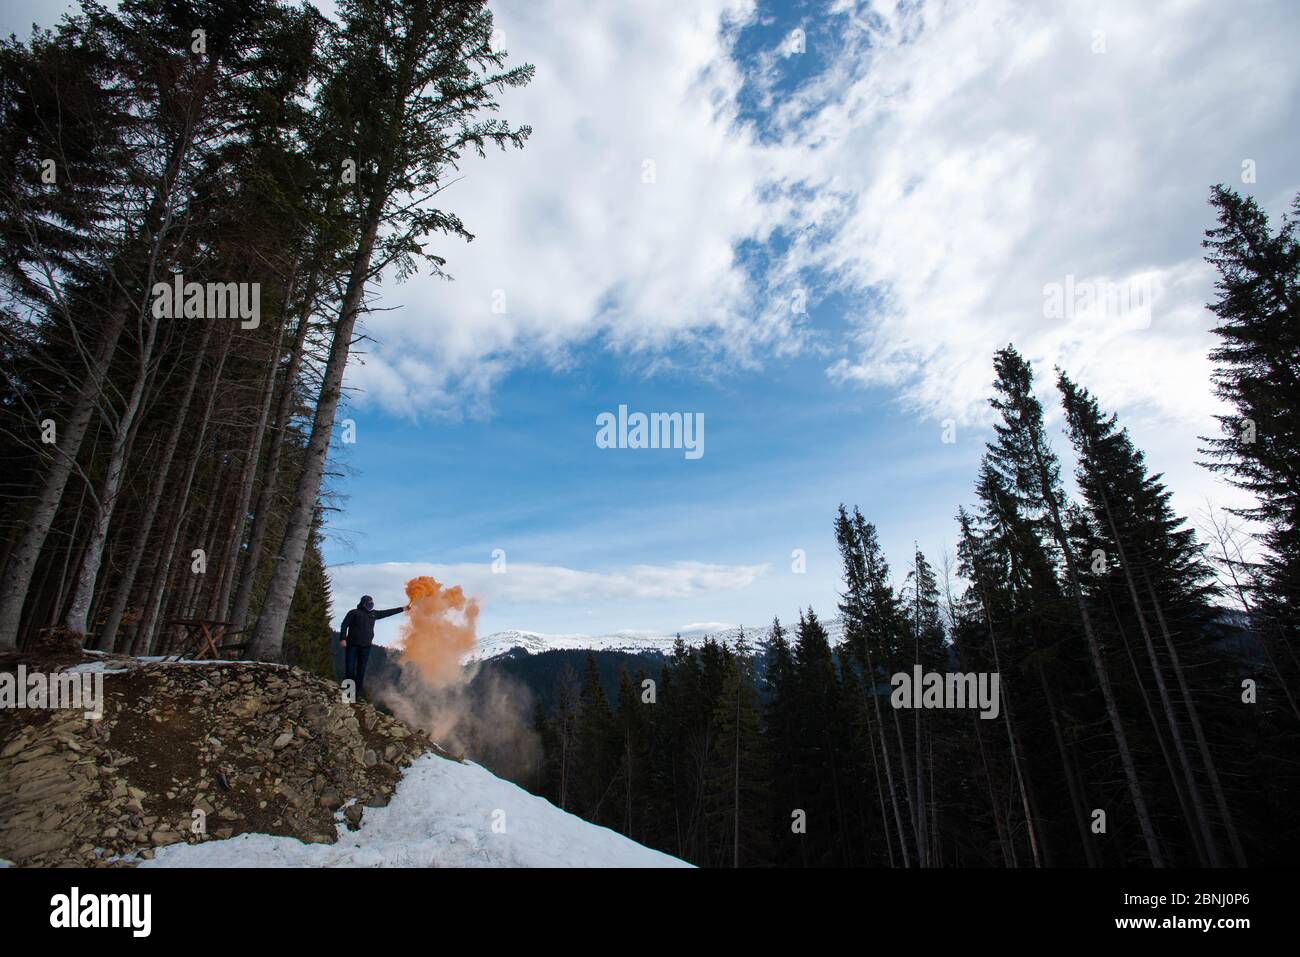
(918, 175)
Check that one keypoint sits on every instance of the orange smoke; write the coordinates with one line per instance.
(438, 631)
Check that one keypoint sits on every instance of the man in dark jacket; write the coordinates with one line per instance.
(356, 635)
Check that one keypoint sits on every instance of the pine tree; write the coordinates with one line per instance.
(869, 610)
(594, 748)
(1258, 376)
(822, 766)
(975, 565)
(738, 773)
(926, 627)
(1165, 576)
(632, 735)
(780, 729)
(1024, 453)
(411, 83)
(307, 636)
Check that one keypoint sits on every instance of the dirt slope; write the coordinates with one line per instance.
(252, 747)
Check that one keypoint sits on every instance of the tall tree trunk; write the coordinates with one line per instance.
(153, 604)
(1098, 663)
(1188, 815)
(1215, 785)
(68, 553)
(126, 584)
(1026, 793)
(268, 636)
(1175, 731)
(880, 792)
(17, 575)
(884, 747)
(1067, 765)
(1002, 827)
(78, 617)
(252, 459)
(262, 512)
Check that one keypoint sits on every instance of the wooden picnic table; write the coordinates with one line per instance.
(203, 637)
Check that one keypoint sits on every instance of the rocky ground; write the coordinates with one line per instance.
(190, 752)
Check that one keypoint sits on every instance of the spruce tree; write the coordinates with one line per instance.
(780, 728)
(1023, 453)
(1258, 377)
(738, 773)
(594, 747)
(1165, 575)
(407, 97)
(870, 614)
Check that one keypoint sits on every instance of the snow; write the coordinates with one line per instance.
(120, 664)
(444, 814)
(94, 667)
(633, 642)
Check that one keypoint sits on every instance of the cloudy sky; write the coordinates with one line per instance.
(812, 223)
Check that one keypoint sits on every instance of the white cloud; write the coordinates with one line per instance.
(981, 151)
(567, 231)
(965, 156)
(953, 160)
(525, 583)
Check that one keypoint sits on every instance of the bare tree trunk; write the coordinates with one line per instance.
(149, 620)
(1026, 795)
(884, 747)
(17, 575)
(999, 825)
(192, 602)
(78, 617)
(1175, 731)
(268, 636)
(906, 773)
(1215, 786)
(1099, 666)
(270, 477)
(67, 557)
(1174, 781)
(252, 459)
(108, 636)
(1067, 766)
(880, 794)
(1002, 827)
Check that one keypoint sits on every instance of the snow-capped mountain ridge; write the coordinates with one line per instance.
(632, 642)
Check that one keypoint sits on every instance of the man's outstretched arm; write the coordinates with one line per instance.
(388, 613)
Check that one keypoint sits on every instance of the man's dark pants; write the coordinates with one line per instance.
(356, 665)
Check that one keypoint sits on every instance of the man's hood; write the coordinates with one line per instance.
(362, 604)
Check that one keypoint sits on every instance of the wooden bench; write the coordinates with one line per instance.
(203, 638)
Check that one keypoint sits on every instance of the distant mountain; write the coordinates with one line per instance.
(503, 643)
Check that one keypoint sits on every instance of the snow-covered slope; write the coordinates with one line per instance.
(444, 814)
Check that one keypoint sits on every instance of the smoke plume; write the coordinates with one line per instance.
(483, 714)
(438, 631)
